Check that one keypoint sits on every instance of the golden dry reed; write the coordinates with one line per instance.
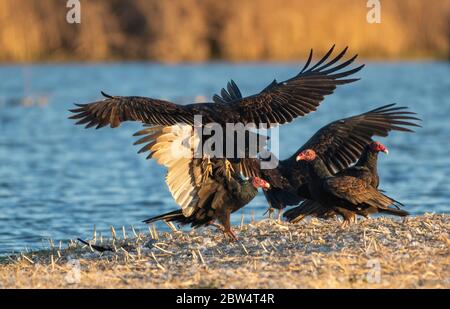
(236, 30)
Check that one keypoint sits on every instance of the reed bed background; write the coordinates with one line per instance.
(236, 30)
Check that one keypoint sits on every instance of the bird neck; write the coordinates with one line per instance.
(318, 169)
(368, 159)
(248, 191)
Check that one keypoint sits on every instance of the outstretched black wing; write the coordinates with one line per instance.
(342, 142)
(230, 94)
(281, 102)
(114, 110)
(278, 103)
(339, 144)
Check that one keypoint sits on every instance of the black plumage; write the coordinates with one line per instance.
(278, 103)
(366, 168)
(339, 144)
(209, 187)
(346, 195)
(217, 198)
(206, 189)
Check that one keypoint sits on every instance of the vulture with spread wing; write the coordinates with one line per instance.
(208, 187)
(203, 197)
(345, 194)
(366, 169)
(278, 103)
(339, 144)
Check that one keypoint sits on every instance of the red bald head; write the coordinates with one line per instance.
(260, 183)
(377, 147)
(306, 155)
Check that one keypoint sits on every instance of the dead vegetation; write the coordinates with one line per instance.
(375, 253)
(197, 30)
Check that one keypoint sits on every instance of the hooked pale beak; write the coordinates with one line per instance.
(299, 157)
(266, 186)
(386, 151)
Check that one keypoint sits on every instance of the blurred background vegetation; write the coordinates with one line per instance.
(236, 30)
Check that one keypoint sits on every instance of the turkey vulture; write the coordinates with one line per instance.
(365, 168)
(203, 197)
(344, 194)
(217, 199)
(339, 144)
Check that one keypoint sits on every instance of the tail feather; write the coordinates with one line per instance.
(396, 212)
(176, 215)
(308, 208)
(383, 202)
(396, 203)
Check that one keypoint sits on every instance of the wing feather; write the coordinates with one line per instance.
(115, 110)
(305, 91)
(342, 142)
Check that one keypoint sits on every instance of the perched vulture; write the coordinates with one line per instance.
(365, 168)
(346, 195)
(339, 144)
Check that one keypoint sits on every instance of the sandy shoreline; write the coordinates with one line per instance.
(374, 253)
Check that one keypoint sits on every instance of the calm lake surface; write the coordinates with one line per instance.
(58, 180)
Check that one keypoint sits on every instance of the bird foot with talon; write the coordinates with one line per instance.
(230, 234)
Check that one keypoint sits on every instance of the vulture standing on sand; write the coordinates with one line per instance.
(344, 194)
(217, 198)
(339, 144)
(202, 195)
(365, 168)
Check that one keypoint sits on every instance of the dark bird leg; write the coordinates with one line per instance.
(345, 223)
(348, 219)
(280, 214)
(231, 234)
(347, 215)
(224, 219)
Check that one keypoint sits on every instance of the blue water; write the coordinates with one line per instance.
(57, 180)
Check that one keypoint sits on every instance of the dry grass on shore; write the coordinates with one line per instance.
(375, 253)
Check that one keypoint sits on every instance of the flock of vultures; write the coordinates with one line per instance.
(333, 173)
